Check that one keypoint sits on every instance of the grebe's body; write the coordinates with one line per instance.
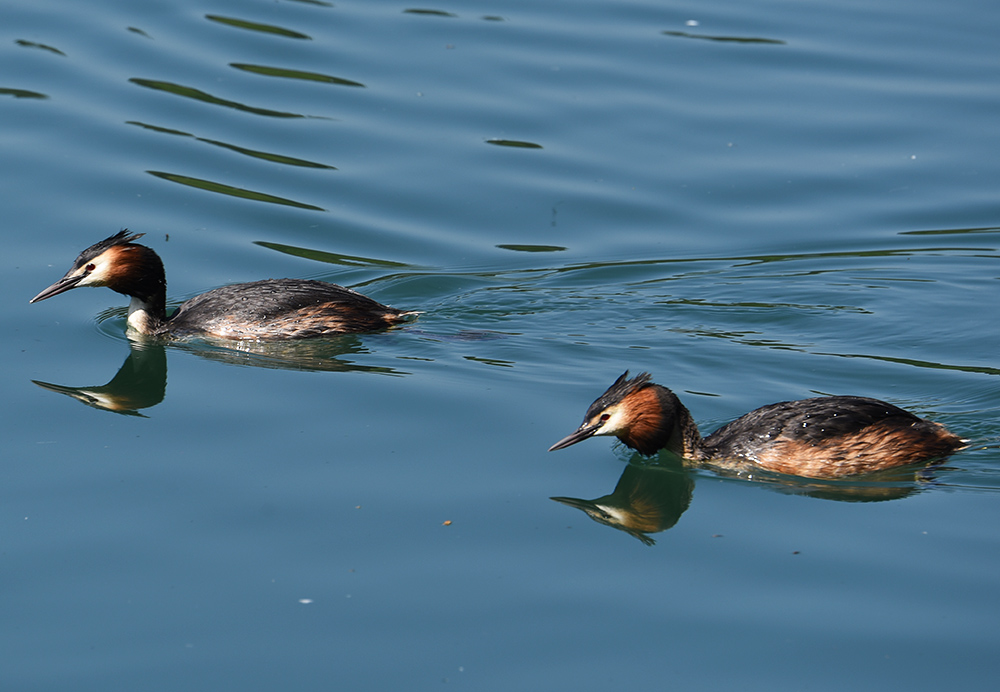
(269, 309)
(825, 437)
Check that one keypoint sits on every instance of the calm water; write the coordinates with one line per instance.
(753, 202)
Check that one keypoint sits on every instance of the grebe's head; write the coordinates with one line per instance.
(616, 411)
(114, 262)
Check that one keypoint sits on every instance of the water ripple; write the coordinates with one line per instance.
(266, 156)
(224, 189)
(294, 74)
(257, 26)
(199, 95)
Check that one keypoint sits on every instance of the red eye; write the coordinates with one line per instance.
(91, 267)
(605, 417)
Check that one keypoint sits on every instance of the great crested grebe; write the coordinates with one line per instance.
(825, 437)
(269, 309)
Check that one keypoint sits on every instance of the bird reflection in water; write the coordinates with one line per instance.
(647, 499)
(141, 381)
(651, 496)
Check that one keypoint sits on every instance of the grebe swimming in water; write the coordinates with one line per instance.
(270, 309)
(826, 437)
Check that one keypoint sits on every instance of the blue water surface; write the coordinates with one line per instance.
(753, 202)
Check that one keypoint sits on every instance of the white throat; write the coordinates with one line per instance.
(139, 318)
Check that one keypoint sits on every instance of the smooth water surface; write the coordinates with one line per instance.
(753, 202)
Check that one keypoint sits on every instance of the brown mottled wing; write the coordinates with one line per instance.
(808, 420)
(831, 437)
(282, 309)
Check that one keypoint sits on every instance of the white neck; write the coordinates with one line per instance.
(138, 316)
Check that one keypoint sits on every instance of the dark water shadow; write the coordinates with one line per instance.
(725, 39)
(514, 143)
(253, 153)
(330, 257)
(520, 247)
(204, 97)
(257, 26)
(40, 46)
(22, 93)
(429, 12)
(223, 189)
(286, 73)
